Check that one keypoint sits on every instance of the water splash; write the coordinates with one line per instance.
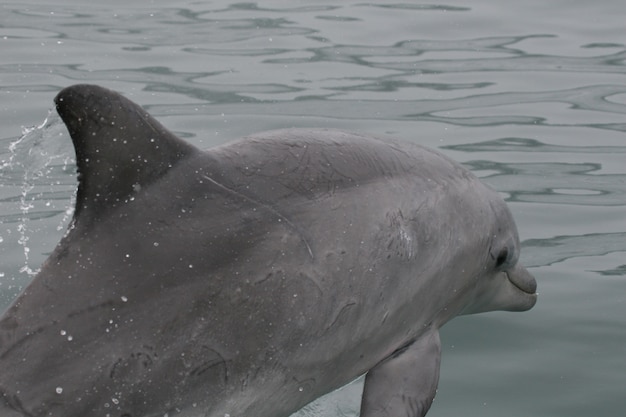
(33, 167)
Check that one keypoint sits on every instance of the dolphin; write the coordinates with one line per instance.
(252, 278)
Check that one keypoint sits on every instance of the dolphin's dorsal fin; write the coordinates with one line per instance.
(119, 147)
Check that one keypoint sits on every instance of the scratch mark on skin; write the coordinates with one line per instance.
(18, 343)
(266, 207)
(13, 402)
(343, 310)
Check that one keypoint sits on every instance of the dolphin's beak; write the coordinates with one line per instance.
(526, 283)
(522, 279)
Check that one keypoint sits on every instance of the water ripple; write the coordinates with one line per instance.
(532, 145)
(543, 252)
(560, 183)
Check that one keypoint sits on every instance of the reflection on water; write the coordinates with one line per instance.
(528, 95)
(561, 183)
(560, 248)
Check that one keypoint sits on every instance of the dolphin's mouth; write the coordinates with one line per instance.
(526, 285)
(522, 280)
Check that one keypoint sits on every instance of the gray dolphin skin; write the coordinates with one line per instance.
(252, 278)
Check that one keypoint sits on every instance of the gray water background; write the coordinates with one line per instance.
(529, 95)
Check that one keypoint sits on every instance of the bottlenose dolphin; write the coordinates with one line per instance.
(252, 278)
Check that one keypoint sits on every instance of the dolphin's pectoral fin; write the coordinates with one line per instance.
(405, 383)
(119, 147)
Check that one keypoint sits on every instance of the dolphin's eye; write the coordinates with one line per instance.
(502, 257)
